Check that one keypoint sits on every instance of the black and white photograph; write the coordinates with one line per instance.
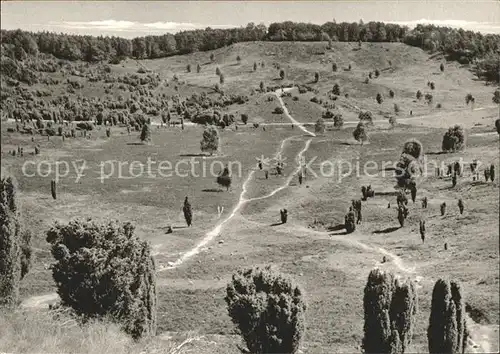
(224, 177)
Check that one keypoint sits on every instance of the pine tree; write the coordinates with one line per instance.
(53, 189)
(146, 133)
(461, 206)
(15, 244)
(224, 179)
(210, 140)
(447, 331)
(188, 214)
(319, 126)
(336, 89)
(104, 270)
(268, 309)
(360, 133)
(390, 308)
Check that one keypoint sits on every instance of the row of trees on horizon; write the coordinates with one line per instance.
(458, 44)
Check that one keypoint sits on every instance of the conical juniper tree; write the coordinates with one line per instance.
(15, 244)
(390, 308)
(104, 270)
(447, 331)
(188, 213)
(268, 309)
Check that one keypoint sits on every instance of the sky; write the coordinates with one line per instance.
(137, 18)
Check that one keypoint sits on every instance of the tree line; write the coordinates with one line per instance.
(457, 44)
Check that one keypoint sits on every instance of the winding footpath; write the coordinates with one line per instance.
(211, 235)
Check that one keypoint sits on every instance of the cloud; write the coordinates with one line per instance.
(487, 27)
(129, 26)
(106, 24)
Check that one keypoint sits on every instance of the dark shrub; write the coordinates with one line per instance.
(447, 331)
(105, 270)
(390, 308)
(268, 310)
(454, 139)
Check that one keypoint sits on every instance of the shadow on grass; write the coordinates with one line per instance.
(336, 227)
(194, 155)
(387, 193)
(217, 190)
(387, 230)
(276, 224)
(435, 153)
(136, 143)
(179, 227)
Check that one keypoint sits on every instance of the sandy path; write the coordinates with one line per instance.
(300, 125)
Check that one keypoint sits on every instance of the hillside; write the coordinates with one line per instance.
(195, 264)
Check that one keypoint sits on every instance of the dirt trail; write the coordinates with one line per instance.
(300, 125)
(242, 200)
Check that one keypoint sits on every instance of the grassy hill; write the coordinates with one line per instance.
(332, 267)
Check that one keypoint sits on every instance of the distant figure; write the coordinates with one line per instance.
(300, 177)
(445, 246)
(389, 205)
(411, 113)
(267, 174)
(260, 165)
(264, 128)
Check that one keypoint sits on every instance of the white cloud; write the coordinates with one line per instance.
(129, 26)
(487, 27)
(106, 24)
